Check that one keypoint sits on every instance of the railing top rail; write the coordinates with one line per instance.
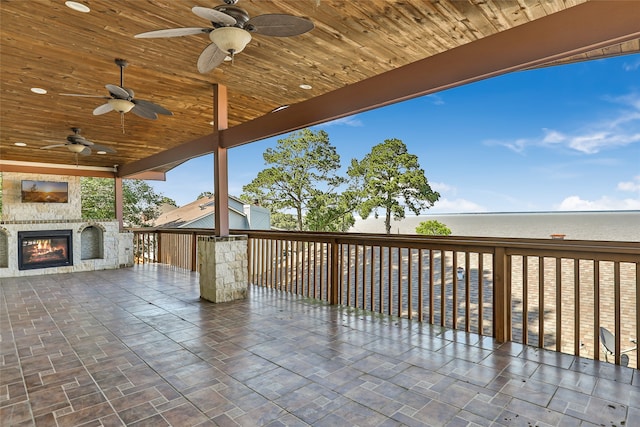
(516, 246)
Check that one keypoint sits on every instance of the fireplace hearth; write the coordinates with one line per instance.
(44, 249)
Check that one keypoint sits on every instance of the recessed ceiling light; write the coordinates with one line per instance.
(306, 86)
(38, 90)
(280, 108)
(78, 7)
(211, 123)
(101, 152)
(20, 144)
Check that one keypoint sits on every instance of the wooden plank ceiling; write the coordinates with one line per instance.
(48, 45)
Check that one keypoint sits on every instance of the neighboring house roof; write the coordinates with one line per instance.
(199, 213)
(179, 217)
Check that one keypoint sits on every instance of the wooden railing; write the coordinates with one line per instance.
(549, 293)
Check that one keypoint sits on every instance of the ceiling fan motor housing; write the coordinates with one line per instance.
(240, 15)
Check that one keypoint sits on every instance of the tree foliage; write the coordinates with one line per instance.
(301, 174)
(140, 202)
(433, 228)
(390, 178)
(205, 194)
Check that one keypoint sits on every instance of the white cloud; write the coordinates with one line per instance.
(595, 142)
(345, 121)
(435, 99)
(575, 203)
(630, 185)
(617, 131)
(631, 66)
(441, 187)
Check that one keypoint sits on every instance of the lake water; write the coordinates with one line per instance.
(610, 225)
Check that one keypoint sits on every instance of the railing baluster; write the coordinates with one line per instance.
(409, 283)
(576, 306)
(467, 291)
(399, 281)
(541, 302)
(454, 290)
(364, 277)
(525, 300)
(443, 288)
(481, 293)
(372, 280)
(431, 288)
(558, 304)
(380, 279)
(616, 302)
(420, 296)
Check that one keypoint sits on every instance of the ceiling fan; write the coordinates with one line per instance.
(121, 100)
(78, 144)
(231, 31)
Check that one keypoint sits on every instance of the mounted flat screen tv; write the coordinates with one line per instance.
(45, 192)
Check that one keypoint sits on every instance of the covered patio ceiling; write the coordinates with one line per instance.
(360, 55)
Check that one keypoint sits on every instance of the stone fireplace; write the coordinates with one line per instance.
(50, 238)
(44, 249)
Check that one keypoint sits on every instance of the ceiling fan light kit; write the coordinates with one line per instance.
(121, 105)
(75, 148)
(231, 40)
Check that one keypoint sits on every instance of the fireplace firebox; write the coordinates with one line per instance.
(44, 249)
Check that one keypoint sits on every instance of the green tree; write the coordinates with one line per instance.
(140, 202)
(302, 168)
(97, 198)
(329, 212)
(283, 221)
(433, 228)
(205, 194)
(389, 177)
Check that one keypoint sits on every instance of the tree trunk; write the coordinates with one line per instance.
(387, 221)
(299, 211)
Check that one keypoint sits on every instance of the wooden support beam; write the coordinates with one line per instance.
(220, 163)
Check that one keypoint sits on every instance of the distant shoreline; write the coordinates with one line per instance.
(582, 225)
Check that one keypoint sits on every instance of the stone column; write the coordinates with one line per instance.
(224, 274)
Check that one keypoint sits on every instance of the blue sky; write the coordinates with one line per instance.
(564, 138)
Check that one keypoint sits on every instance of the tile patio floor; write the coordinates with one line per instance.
(137, 347)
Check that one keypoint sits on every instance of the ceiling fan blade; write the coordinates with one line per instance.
(280, 25)
(53, 146)
(173, 32)
(210, 58)
(99, 147)
(147, 105)
(143, 112)
(118, 92)
(85, 96)
(213, 15)
(102, 109)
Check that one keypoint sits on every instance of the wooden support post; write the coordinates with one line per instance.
(220, 162)
(500, 296)
(118, 202)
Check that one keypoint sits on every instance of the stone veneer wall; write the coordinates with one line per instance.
(224, 273)
(117, 247)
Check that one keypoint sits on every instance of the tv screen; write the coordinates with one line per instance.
(44, 192)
